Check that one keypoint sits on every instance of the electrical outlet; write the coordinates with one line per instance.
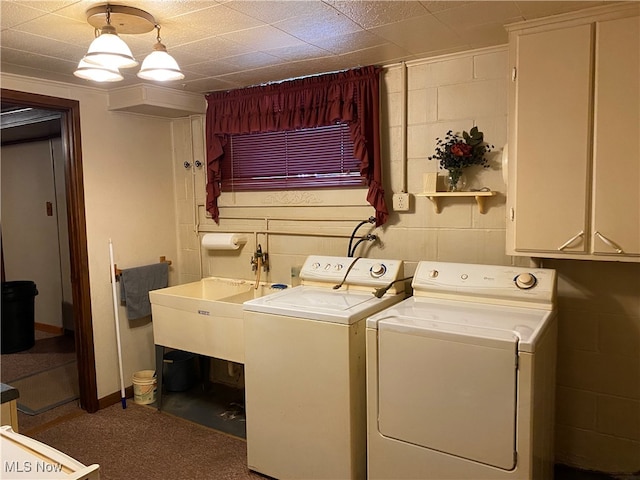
(401, 202)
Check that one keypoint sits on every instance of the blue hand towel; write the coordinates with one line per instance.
(135, 285)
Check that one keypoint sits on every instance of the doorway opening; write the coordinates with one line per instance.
(79, 261)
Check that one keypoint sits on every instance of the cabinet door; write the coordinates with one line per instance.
(616, 195)
(552, 139)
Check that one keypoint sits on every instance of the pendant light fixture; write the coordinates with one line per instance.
(108, 52)
(108, 49)
(97, 73)
(159, 65)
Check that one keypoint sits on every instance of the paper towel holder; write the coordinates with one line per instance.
(223, 241)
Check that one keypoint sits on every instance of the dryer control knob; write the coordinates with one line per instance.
(378, 270)
(315, 265)
(433, 273)
(525, 281)
(338, 267)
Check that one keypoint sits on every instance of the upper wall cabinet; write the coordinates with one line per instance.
(574, 166)
(156, 101)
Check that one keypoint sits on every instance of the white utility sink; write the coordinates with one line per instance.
(204, 317)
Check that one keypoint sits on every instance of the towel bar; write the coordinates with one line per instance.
(118, 272)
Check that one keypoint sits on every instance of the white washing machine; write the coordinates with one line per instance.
(461, 376)
(305, 395)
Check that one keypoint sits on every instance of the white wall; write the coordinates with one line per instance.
(598, 401)
(128, 188)
(30, 242)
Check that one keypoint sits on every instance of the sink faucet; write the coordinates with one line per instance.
(258, 260)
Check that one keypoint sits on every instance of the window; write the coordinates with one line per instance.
(306, 158)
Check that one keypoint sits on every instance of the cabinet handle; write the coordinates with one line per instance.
(608, 242)
(571, 240)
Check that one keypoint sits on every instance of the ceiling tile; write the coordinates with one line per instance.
(419, 35)
(329, 23)
(14, 14)
(44, 46)
(478, 13)
(378, 55)
(48, 6)
(349, 42)
(273, 12)
(212, 21)
(62, 29)
(163, 10)
(253, 60)
(211, 48)
(270, 36)
(211, 84)
(370, 14)
(302, 52)
(36, 61)
(210, 68)
(438, 5)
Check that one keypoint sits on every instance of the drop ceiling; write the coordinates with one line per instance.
(222, 45)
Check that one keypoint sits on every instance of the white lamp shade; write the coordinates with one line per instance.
(97, 73)
(109, 50)
(160, 66)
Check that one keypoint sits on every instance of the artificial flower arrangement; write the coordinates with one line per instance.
(456, 153)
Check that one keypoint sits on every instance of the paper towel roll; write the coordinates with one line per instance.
(223, 241)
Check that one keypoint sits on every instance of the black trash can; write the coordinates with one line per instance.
(18, 315)
(180, 370)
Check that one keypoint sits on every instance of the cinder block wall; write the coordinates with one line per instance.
(598, 400)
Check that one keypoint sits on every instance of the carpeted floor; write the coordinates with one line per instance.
(48, 389)
(140, 442)
(48, 352)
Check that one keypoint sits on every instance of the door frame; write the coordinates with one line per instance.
(74, 187)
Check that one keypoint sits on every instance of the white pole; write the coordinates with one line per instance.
(123, 397)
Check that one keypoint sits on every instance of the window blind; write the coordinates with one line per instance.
(306, 158)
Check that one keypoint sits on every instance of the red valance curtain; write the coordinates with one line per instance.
(351, 97)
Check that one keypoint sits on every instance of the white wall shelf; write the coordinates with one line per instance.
(480, 197)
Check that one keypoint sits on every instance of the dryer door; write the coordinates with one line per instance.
(450, 388)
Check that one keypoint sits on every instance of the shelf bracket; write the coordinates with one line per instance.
(436, 203)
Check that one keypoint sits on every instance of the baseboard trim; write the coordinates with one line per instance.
(43, 327)
(114, 398)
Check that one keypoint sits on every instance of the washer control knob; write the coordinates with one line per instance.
(327, 266)
(525, 281)
(378, 270)
(433, 273)
(315, 265)
(338, 267)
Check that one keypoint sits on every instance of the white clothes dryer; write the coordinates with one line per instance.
(305, 368)
(461, 376)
